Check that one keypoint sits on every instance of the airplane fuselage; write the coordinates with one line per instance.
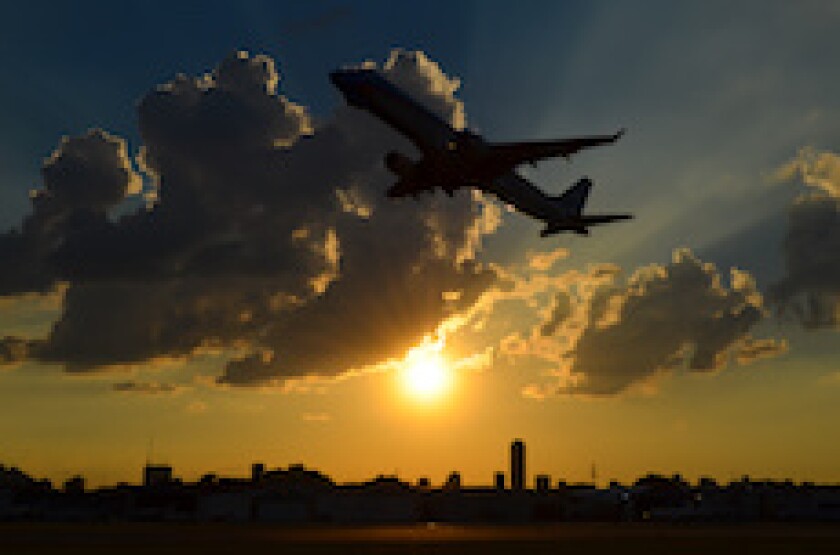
(450, 156)
(453, 158)
(368, 90)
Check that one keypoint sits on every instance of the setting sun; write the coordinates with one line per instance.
(425, 373)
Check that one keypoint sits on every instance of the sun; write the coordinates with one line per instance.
(425, 373)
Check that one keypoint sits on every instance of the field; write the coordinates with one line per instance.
(613, 539)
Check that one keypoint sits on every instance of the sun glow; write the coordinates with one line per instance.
(426, 374)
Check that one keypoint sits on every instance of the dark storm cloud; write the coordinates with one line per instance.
(810, 289)
(262, 234)
(664, 317)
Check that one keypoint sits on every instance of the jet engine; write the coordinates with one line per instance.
(400, 165)
(468, 141)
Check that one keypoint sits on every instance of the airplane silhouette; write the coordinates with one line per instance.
(452, 159)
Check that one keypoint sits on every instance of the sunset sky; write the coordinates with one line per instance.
(199, 262)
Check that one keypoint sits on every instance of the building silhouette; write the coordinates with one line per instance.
(517, 465)
(76, 484)
(453, 482)
(257, 472)
(156, 475)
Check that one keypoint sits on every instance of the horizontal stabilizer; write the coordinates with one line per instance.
(569, 215)
(580, 224)
(596, 219)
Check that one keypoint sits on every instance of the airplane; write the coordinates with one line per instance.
(452, 158)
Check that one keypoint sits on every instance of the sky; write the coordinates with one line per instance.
(200, 267)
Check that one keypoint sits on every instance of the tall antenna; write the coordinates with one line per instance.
(594, 473)
(151, 451)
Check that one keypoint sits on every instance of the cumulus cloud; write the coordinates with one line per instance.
(820, 170)
(415, 72)
(810, 289)
(263, 235)
(666, 317)
(604, 335)
(83, 179)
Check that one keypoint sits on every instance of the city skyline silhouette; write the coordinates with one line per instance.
(299, 495)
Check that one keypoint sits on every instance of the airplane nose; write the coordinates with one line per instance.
(350, 86)
(336, 78)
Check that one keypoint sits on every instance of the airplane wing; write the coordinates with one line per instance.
(408, 187)
(425, 130)
(516, 191)
(509, 155)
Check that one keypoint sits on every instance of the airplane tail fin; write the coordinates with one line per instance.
(572, 201)
(569, 212)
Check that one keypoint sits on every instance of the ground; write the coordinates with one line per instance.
(613, 539)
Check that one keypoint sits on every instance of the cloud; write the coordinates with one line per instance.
(543, 261)
(757, 349)
(535, 392)
(810, 289)
(423, 78)
(147, 388)
(83, 179)
(261, 234)
(604, 335)
(13, 349)
(560, 312)
(820, 170)
(666, 317)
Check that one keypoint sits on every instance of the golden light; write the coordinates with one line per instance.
(425, 372)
